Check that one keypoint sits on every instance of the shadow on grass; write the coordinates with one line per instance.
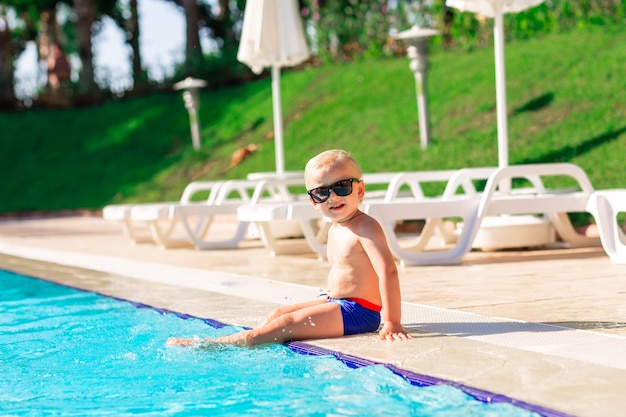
(535, 104)
(567, 153)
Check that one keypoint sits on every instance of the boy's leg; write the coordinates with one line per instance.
(279, 311)
(322, 318)
(315, 321)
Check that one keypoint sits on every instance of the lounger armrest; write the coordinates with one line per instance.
(277, 189)
(241, 188)
(199, 186)
(534, 173)
(464, 179)
(257, 176)
(415, 181)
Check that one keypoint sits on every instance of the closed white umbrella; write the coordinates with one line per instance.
(273, 36)
(495, 9)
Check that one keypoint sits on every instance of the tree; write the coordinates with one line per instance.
(51, 51)
(140, 77)
(7, 94)
(13, 42)
(85, 11)
(194, 58)
(41, 23)
(222, 24)
(220, 19)
(130, 26)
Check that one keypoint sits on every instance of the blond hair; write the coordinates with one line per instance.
(328, 159)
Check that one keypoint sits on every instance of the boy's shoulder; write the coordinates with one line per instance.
(368, 223)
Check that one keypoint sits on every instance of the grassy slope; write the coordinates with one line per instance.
(565, 96)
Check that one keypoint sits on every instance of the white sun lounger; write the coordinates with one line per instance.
(459, 185)
(497, 198)
(158, 222)
(314, 228)
(137, 230)
(605, 205)
(271, 216)
(197, 219)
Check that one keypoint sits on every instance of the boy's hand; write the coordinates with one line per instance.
(393, 331)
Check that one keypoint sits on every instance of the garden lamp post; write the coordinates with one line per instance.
(417, 40)
(191, 98)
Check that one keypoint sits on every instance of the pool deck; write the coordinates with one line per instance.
(547, 327)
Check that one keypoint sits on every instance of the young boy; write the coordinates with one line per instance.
(363, 278)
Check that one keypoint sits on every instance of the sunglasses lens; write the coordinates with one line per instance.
(319, 195)
(343, 188)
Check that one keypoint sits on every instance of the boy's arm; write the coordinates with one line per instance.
(375, 245)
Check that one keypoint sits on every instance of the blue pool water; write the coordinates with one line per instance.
(74, 353)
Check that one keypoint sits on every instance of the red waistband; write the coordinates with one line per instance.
(366, 304)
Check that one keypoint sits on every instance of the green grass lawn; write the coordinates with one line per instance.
(565, 94)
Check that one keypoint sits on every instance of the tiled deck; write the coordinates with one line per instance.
(546, 327)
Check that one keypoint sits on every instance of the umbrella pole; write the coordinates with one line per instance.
(498, 37)
(278, 121)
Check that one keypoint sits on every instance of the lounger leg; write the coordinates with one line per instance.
(203, 225)
(316, 240)
(566, 232)
(198, 235)
(162, 235)
(228, 243)
(274, 244)
(130, 231)
(605, 205)
(428, 231)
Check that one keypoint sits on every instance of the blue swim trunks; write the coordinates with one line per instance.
(359, 316)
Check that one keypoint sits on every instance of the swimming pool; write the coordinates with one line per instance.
(71, 352)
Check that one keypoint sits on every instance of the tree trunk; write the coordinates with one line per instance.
(140, 78)
(193, 51)
(7, 82)
(222, 26)
(51, 54)
(85, 16)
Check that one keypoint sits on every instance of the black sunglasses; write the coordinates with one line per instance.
(341, 188)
